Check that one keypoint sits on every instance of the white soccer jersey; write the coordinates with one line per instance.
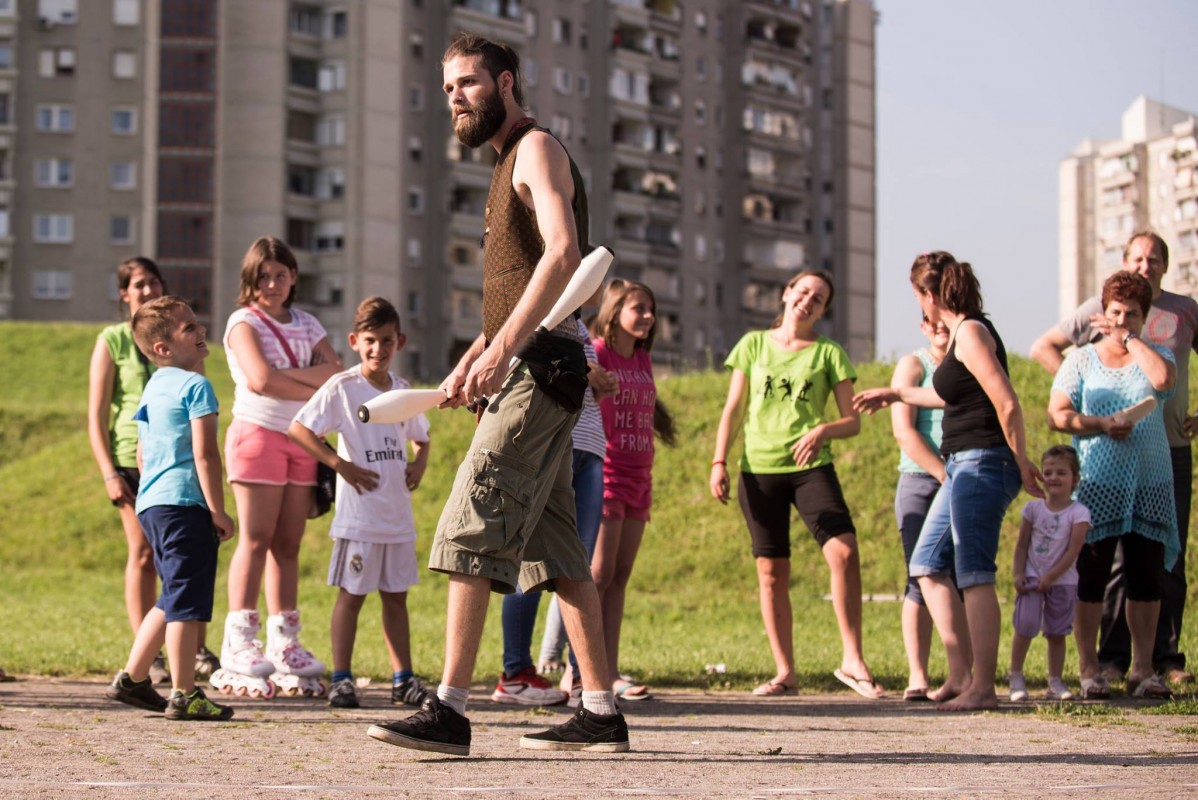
(385, 514)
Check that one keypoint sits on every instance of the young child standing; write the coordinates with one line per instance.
(181, 508)
(373, 530)
(1050, 538)
(626, 327)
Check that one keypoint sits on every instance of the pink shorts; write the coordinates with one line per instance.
(617, 509)
(254, 454)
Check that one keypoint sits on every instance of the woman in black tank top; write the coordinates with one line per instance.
(985, 463)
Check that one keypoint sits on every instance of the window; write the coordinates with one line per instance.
(560, 126)
(56, 118)
(4, 222)
(701, 22)
(301, 126)
(56, 61)
(125, 12)
(416, 200)
(124, 64)
(700, 112)
(415, 98)
(5, 54)
(58, 12)
(53, 228)
(124, 120)
(414, 251)
(415, 148)
(5, 108)
(561, 80)
(416, 44)
(303, 72)
(700, 247)
(7, 7)
(300, 233)
(304, 19)
(301, 180)
(414, 303)
(701, 68)
(336, 23)
(331, 77)
(529, 68)
(122, 175)
(530, 23)
(561, 31)
(51, 284)
(330, 183)
(53, 172)
(330, 130)
(120, 230)
(330, 236)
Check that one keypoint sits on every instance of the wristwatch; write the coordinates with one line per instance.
(1127, 338)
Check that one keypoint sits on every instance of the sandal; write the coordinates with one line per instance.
(625, 689)
(775, 688)
(1151, 688)
(1096, 689)
(5, 677)
(550, 667)
(869, 689)
(915, 694)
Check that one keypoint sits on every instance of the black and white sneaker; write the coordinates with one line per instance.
(140, 694)
(596, 733)
(409, 693)
(435, 728)
(343, 694)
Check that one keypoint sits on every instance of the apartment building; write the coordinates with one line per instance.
(725, 146)
(1147, 179)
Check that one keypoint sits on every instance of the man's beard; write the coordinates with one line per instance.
(481, 122)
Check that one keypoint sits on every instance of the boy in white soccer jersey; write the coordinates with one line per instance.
(373, 530)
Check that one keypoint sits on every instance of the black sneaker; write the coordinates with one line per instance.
(196, 706)
(598, 733)
(409, 693)
(158, 671)
(141, 693)
(436, 728)
(343, 694)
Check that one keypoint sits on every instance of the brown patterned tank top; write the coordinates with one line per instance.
(512, 243)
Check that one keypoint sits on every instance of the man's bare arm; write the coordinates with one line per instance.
(1049, 349)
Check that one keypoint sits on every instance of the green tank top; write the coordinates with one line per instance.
(132, 371)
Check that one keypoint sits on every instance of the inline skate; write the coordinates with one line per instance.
(244, 671)
(297, 670)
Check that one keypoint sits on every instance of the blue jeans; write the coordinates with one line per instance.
(964, 522)
(519, 613)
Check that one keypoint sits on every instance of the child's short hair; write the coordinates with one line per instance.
(153, 322)
(374, 313)
(1067, 453)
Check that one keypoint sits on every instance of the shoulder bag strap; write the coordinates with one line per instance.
(270, 323)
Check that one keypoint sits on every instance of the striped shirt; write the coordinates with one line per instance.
(588, 431)
(303, 333)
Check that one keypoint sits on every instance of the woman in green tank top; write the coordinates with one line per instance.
(116, 377)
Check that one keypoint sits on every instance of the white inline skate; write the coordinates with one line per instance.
(244, 669)
(297, 671)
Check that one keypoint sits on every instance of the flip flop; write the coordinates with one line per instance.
(5, 677)
(1096, 689)
(625, 689)
(914, 694)
(1151, 688)
(775, 688)
(870, 689)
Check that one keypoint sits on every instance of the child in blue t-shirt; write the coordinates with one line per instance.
(181, 507)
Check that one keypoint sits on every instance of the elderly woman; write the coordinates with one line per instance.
(1127, 480)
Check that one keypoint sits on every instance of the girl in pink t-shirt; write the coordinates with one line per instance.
(625, 328)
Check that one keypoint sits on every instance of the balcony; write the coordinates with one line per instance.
(505, 18)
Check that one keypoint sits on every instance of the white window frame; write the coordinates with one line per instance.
(328, 28)
(124, 64)
(132, 112)
(51, 284)
(561, 80)
(61, 119)
(131, 223)
(329, 236)
(126, 13)
(415, 97)
(327, 180)
(119, 169)
(330, 130)
(8, 8)
(55, 61)
(330, 76)
(53, 228)
(54, 173)
(415, 204)
(57, 12)
(415, 250)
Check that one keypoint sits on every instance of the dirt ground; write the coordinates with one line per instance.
(60, 738)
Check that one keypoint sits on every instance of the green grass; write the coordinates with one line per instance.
(692, 600)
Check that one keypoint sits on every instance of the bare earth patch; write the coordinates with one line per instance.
(63, 739)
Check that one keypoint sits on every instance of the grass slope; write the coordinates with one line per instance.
(692, 601)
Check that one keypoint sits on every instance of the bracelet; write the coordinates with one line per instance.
(111, 475)
(719, 462)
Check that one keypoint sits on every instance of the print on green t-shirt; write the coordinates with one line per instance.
(788, 396)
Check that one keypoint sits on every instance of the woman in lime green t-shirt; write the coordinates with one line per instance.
(116, 377)
(782, 379)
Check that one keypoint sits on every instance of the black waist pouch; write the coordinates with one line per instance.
(559, 366)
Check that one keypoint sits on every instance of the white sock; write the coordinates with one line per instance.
(599, 703)
(453, 697)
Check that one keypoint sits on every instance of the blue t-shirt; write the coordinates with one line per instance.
(171, 400)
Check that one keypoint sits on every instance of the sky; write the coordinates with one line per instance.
(977, 104)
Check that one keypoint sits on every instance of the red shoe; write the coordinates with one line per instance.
(527, 688)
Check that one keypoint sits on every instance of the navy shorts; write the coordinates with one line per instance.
(185, 549)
